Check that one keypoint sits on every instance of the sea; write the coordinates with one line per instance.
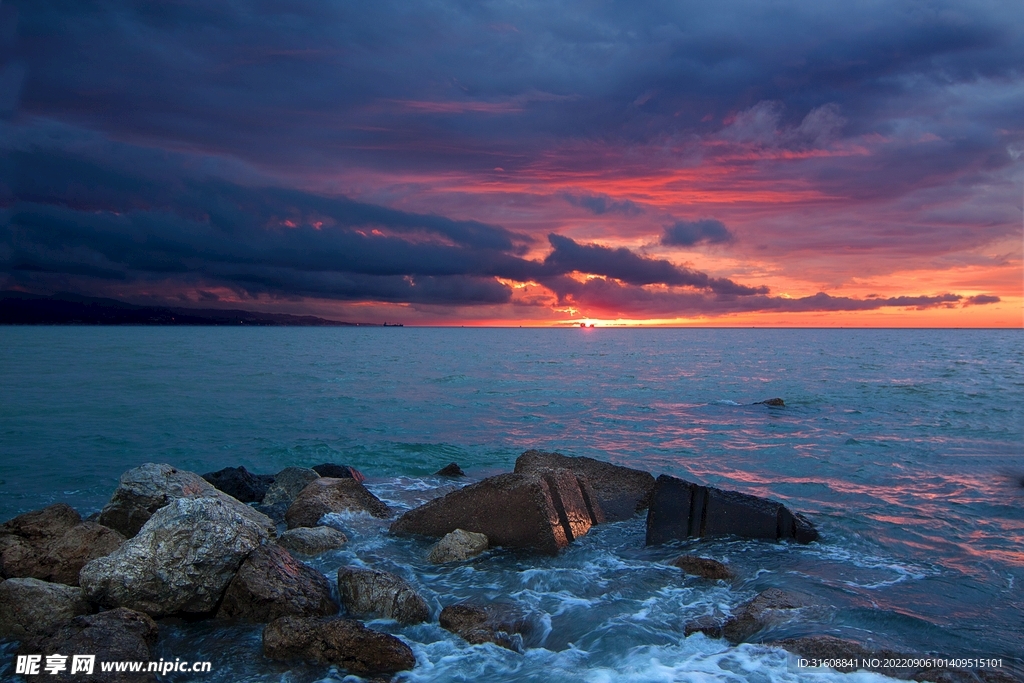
(904, 447)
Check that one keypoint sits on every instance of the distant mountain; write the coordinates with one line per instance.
(18, 308)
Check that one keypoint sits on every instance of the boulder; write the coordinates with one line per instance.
(118, 635)
(496, 623)
(82, 544)
(457, 546)
(288, 484)
(312, 540)
(704, 567)
(830, 647)
(327, 494)
(681, 509)
(329, 469)
(543, 510)
(145, 489)
(32, 607)
(344, 643)
(271, 584)
(375, 593)
(765, 608)
(180, 561)
(240, 483)
(452, 469)
(621, 492)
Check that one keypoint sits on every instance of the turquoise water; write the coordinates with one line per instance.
(905, 447)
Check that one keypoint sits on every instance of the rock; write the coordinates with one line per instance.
(771, 403)
(33, 607)
(118, 635)
(375, 593)
(680, 509)
(457, 546)
(145, 489)
(312, 540)
(543, 510)
(180, 562)
(334, 471)
(288, 484)
(344, 643)
(493, 623)
(271, 584)
(704, 567)
(328, 494)
(752, 616)
(82, 544)
(452, 469)
(240, 483)
(830, 647)
(621, 491)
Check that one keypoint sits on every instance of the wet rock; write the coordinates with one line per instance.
(117, 635)
(271, 584)
(830, 647)
(329, 469)
(681, 509)
(345, 643)
(32, 607)
(288, 484)
(457, 546)
(704, 567)
(621, 492)
(543, 510)
(180, 562)
(144, 490)
(452, 469)
(493, 623)
(312, 540)
(240, 483)
(328, 494)
(771, 403)
(752, 616)
(375, 593)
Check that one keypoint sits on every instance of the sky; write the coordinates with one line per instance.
(728, 163)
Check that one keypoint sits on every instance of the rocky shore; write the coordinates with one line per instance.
(234, 546)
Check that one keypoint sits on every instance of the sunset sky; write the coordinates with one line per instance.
(520, 163)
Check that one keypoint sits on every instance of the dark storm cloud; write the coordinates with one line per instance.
(600, 205)
(691, 233)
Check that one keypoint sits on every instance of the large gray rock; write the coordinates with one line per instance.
(113, 636)
(621, 491)
(543, 510)
(147, 488)
(312, 540)
(375, 593)
(327, 494)
(681, 509)
(33, 607)
(457, 546)
(496, 623)
(344, 643)
(288, 484)
(271, 584)
(180, 561)
(765, 608)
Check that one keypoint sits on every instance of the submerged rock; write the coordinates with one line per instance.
(180, 562)
(345, 643)
(271, 584)
(543, 510)
(771, 403)
(830, 647)
(681, 509)
(452, 469)
(457, 546)
(621, 491)
(375, 593)
(327, 494)
(32, 607)
(765, 608)
(240, 483)
(496, 623)
(312, 540)
(704, 567)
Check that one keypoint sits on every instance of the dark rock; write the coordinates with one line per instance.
(82, 544)
(32, 607)
(704, 567)
(288, 484)
(452, 469)
(275, 512)
(543, 510)
(496, 623)
(327, 494)
(334, 471)
(457, 546)
(681, 509)
(752, 616)
(271, 584)
(375, 593)
(312, 540)
(344, 643)
(49, 523)
(240, 483)
(621, 491)
(118, 635)
(771, 403)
